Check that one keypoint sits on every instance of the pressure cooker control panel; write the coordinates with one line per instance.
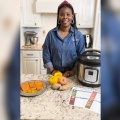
(90, 75)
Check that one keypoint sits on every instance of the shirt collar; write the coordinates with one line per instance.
(55, 29)
(71, 29)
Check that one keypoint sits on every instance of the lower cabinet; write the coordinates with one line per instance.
(32, 62)
(31, 66)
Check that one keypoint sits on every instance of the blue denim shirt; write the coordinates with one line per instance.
(59, 52)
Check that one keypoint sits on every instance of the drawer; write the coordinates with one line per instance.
(43, 72)
(30, 54)
(41, 54)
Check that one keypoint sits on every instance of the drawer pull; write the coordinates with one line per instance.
(30, 54)
(36, 60)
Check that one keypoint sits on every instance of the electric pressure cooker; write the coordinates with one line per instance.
(89, 69)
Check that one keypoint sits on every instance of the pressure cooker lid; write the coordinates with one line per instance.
(91, 57)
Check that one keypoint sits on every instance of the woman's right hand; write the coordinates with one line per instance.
(55, 72)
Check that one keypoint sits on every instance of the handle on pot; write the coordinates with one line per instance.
(92, 54)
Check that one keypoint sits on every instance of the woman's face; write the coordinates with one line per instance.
(65, 16)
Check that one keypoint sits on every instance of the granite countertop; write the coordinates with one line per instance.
(53, 104)
(32, 47)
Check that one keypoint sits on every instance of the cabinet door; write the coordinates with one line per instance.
(30, 18)
(85, 16)
(31, 66)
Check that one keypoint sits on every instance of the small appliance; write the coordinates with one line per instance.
(89, 70)
(28, 35)
(88, 41)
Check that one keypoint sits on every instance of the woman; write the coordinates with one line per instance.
(60, 49)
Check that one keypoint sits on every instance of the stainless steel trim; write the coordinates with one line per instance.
(29, 54)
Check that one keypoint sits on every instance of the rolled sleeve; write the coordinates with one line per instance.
(46, 52)
(48, 65)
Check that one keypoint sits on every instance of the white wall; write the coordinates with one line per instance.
(48, 22)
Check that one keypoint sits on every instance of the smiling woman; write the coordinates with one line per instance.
(65, 19)
(59, 49)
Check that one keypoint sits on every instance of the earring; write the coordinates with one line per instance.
(58, 22)
(72, 22)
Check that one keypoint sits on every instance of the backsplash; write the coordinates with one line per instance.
(48, 22)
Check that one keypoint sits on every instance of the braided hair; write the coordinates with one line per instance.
(74, 24)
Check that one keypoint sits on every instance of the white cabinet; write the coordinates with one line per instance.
(51, 6)
(97, 29)
(85, 15)
(31, 65)
(30, 17)
(32, 62)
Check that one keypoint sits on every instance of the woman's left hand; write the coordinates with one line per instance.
(68, 73)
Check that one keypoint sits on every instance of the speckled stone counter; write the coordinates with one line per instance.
(53, 104)
(33, 47)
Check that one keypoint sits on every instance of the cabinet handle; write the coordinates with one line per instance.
(30, 54)
(35, 23)
(36, 60)
(79, 24)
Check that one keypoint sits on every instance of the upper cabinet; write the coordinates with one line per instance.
(32, 9)
(85, 15)
(29, 16)
(51, 6)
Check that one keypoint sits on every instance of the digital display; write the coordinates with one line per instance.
(90, 73)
